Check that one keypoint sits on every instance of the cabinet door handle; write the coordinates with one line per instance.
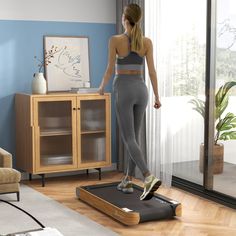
(78, 108)
(74, 108)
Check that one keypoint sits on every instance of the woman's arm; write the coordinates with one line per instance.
(152, 72)
(110, 64)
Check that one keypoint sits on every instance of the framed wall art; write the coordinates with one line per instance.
(66, 63)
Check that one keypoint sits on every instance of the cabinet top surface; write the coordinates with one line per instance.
(61, 94)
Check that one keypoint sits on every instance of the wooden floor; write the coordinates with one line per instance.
(200, 216)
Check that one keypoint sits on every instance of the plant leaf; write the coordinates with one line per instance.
(199, 106)
(221, 108)
(227, 123)
(219, 125)
(221, 98)
(223, 90)
(228, 135)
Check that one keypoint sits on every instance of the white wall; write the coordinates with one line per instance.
(94, 11)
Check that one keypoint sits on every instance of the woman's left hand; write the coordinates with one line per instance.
(157, 104)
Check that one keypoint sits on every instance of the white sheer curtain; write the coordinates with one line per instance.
(177, 30)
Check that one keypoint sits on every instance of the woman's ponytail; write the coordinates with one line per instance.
(136, 38)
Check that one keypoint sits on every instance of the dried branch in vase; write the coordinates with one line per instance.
(48, 55)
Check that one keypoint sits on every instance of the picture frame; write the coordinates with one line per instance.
(66, 61)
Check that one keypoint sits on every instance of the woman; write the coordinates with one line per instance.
(127, 51)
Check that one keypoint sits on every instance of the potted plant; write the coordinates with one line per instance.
(224, 125)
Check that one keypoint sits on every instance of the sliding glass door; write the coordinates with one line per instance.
(224, 163)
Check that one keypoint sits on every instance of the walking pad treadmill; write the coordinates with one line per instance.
(127, 208)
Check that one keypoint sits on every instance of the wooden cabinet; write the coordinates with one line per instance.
(62, 132)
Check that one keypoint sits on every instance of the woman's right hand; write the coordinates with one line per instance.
(101, 90)
(157, 104)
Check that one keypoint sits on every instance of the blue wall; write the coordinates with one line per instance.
(20, 41)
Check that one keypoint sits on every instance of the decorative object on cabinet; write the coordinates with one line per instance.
(69, 70)
(62, 132)
(85, 90)
(39, 84)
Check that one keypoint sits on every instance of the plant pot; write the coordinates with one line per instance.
(39, 84)
(218, 158)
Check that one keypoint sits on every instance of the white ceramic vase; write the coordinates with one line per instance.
(39, 84)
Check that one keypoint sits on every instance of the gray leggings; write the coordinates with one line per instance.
(131, 97)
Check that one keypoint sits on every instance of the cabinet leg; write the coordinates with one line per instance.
(43, 179)
(100, 173)
(87, 171)
(30, 176)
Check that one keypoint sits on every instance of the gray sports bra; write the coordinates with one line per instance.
(130, 62)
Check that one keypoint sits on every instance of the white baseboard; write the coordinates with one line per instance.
(25, 176)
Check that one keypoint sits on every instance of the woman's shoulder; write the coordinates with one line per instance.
(117, 36)
(117, 39)
(147, 41)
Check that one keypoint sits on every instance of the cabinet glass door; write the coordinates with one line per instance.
(93, 130)
(55, 119)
